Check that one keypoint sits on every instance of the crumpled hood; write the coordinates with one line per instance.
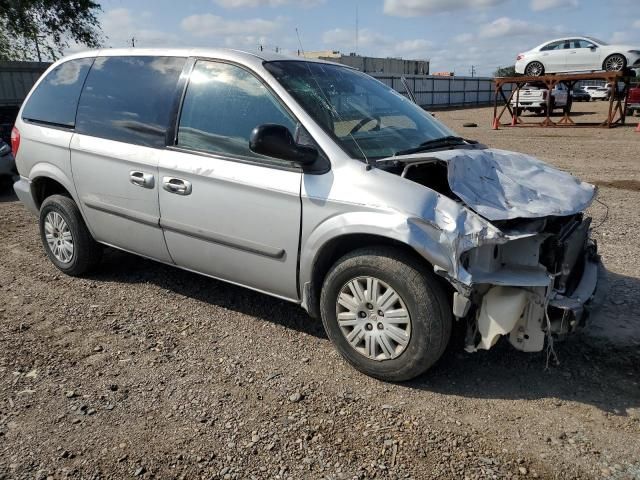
(501, 185)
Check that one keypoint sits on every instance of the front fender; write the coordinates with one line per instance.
(423, 237)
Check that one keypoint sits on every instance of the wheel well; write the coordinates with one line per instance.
(43, 187)
(336, 248)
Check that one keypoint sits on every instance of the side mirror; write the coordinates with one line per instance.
(277, 141)
(593, 47)
(5, 149)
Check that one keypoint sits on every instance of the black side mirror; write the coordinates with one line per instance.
(277, 141)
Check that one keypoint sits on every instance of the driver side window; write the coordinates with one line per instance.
(222, 105)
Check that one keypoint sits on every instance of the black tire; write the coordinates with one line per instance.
(87, 253)
(423, 296)
(534, 69)
(615, 63)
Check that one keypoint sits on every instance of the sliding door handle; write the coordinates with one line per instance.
(141, 179)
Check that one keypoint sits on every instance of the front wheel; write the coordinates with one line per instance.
(615, 63)
(387, 317)
(66, 238)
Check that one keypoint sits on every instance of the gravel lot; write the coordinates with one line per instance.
(143, 370)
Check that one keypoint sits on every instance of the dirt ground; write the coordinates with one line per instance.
(143, 370)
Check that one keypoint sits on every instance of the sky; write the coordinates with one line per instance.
(453, 34)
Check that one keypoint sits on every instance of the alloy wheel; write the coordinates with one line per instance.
(59, 237)
(614, 63)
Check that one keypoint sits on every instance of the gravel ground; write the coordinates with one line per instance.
(143, 370)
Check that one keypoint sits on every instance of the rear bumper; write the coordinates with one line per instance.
(23, 190)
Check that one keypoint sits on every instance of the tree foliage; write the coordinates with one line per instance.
(46, 26)
(505, 72)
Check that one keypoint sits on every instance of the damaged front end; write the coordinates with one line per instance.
(533, 271)
(531, 287)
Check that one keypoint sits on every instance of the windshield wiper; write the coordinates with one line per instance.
(448, 141)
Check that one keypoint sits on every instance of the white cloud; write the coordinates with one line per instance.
(266, 3)
(624, 38)
(376, 44)
(636, 24)
(208, 25)
(539, 5)
(120, 26)
(511, 27)
(415, 8)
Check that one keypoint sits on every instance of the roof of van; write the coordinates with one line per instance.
(218, 53)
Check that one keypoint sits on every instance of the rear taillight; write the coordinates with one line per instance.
(520, 56)
(15, 140)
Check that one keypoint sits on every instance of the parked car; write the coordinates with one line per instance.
(633, 101)
(533, 97)
(577, 54)
(311, 182)
(8, 172)
(579, 94)
(597, 93)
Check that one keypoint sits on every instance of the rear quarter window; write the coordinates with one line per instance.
(55, 99)
(130, 99)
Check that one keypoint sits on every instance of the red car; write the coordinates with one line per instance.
(633, 100)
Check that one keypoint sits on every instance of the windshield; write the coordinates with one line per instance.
(365, 117)
(598, 41)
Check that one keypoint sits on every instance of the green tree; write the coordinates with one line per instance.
(505, 72)
(43, 29)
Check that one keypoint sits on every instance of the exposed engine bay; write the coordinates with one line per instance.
(533, 277)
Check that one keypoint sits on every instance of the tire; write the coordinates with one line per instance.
(85, 253)
(615, 63)
(534, 69)
(420, 294)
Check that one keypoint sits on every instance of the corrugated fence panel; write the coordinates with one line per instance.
(436, 91)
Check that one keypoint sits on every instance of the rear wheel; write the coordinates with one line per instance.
(65, 237)
(387, 318)
(615, 63)
(534, 69)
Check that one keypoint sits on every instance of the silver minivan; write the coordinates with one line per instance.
(311, 182)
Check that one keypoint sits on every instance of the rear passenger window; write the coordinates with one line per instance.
(222, 105)
(129, 99)
(55, 99)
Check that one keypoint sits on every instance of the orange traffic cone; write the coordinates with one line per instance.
(638, 128)
(496, 124)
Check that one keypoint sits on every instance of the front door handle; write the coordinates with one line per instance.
(176, 185)
(141, 179)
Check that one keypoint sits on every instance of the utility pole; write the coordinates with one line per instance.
(37, 48)
(473, 70)
(133, 42)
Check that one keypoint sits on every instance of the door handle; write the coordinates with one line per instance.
(176, 185)
(141, 179)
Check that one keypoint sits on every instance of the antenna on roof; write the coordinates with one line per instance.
(357, 28)
(300, 43)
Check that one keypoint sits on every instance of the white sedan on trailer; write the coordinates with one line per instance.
(577, 54)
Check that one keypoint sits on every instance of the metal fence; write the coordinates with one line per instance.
(16, 79)
(438, 91)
